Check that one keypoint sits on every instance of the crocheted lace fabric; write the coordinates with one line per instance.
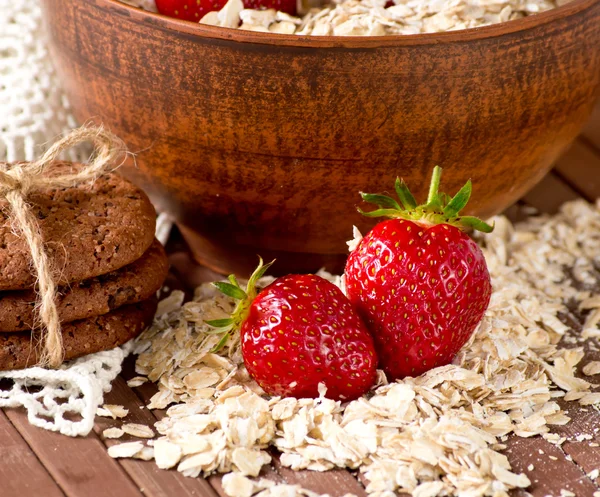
(33, 112)
(64, 400)
(33, 108)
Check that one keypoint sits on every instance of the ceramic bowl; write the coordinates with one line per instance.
(259, 143)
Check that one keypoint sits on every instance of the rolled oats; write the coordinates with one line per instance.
(127, 449)
(378, 18)
(113, 433)
(437, 434)
(136, 382)
(112, 411)
(137, 430)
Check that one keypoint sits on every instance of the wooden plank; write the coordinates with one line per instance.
(80, 466)
(155, 482)
(189, 273)
(583, 431)
(547, 468)
(591, 132)
(548, 195)
(21, 473)
(334, 482)
(579, 167)
(584, 422)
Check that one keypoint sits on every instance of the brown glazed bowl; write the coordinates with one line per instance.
(259, 143)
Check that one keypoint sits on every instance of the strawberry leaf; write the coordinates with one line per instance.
(380, 200)
(379, 213)
(407, 199)
(459, 201)
(230, 290)
(221, 344)
(440, 208)
(219, 323)
(476, 224)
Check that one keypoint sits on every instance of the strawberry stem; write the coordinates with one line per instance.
(438, 209)
(245, 297)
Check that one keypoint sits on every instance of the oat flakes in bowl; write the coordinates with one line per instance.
(372, 17)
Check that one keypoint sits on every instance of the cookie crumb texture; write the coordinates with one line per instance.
(89, 230)
(131, 284)
(21, 350)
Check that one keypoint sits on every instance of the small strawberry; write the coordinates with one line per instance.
(288, 6)
(418, 280)
(188, 10)
(195, 10)
(298, 332)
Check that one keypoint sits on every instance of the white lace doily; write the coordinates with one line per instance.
(33, 108)
(64, 400)
(33, 112)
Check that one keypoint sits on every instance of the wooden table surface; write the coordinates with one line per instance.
(34, 462)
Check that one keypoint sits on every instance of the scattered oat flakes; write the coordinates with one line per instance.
(112, 411)
(127, 449)
(594, 474)
(439, 432)
(167, 454)
(137, 430)
(137, 381)
(531, 467)
(592, 368)
(237, 485)
(113, 433)
(146, 454)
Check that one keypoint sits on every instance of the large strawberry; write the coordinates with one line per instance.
(194, 10)
(418, 280)
(300, 331)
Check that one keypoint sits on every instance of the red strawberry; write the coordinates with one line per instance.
(287, 6)
(194, 10)
(418, 280)
(298, 332)
(189, 10)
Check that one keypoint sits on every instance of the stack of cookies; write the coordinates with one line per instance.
(100, 239)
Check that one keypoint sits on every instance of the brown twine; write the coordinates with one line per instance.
(17, 181)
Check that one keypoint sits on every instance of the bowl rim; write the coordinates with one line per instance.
(186, 28)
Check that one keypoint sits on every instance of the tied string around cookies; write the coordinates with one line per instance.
(19, 180)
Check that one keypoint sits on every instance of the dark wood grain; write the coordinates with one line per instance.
(547, 468)
(154, 481)
(579, 167)
(591, 132)
(550, 194)
(21, 473)
(80, 466)
(259, 143)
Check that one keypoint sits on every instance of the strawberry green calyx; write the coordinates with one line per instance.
(439, 208)
(245, 298)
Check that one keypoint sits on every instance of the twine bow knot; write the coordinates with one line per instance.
(17, 181)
